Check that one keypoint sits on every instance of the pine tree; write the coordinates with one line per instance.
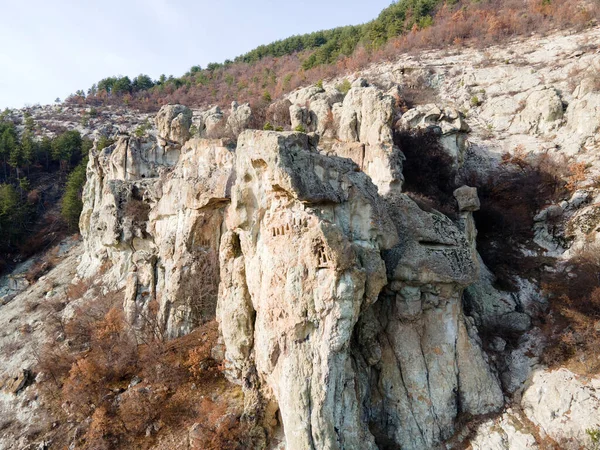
(71, 202)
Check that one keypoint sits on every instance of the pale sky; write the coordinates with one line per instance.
(51, 48)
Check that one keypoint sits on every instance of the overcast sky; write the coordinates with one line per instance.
(51, 48)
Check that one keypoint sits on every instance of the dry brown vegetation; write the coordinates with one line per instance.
(573, 326)
(429, 173)
(510, 199)
(125, 390)
(454, 24)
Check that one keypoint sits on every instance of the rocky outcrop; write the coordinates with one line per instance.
(365, 133)
(338, 297)
(557, 409)
(310, 247)
(155, 217)
(173, 123)
(564, 406)
(448, 123)
(356, 126)
(311, 109)
(208, 122)
(300, 262)
(239, 118)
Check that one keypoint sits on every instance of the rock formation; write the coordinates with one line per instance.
(339, 298)
(309, 249)
(348, 313)
(155, 215)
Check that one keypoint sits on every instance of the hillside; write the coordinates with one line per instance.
(401, 254)
(272, 70)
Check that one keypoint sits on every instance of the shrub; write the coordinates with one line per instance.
(268, 126)
(594, 434)
(510, 198)
(574, 294)
(199, 287)
(88, 379)
(344, 86)
(577, 175)
(103, 142)
(278, 114)
(475, 101)
(136, 209)
(142, 129)
(300, 129)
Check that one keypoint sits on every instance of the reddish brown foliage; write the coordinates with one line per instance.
(478, 23)
(572, 326)
(88, 380)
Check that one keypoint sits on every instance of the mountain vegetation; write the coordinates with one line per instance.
(33, 172)
(282, 66)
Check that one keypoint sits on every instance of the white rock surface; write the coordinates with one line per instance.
(563, 406)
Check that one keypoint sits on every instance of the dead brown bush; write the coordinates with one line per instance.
(89, 377)
(199, 287)
(278, 114)
(510, 198)
(572, 328)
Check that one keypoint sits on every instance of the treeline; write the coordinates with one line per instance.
(328, 45)
(272, 70)
(19, 155)
(33, 174)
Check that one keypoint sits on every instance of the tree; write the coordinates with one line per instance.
(14, 216)
(71, 202)
(142, 83)
(29, 147)
(16, 159)
(122, 86)
(45, 151)
(66, 148)
(8, 143)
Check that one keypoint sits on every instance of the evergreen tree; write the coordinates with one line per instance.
(71, 202)
(66, 148)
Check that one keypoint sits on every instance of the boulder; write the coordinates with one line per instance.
(173, 123)
(542, 113)
(239, 118)
(467, 199)
(564, 406)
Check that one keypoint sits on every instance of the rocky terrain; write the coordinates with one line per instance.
(351, 314)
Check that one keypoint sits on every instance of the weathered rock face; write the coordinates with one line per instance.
(339, 300)
(365, 118)
(239, 117)
(563, 406)
(300, 262)
(449, 123)
(557, 406)
(357, 126)
(309, 248)
(159, 233)
(173, 123)
(421, 353)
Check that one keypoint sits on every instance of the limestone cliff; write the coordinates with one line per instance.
(339, 299)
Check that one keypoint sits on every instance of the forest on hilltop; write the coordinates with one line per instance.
(272, 70)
